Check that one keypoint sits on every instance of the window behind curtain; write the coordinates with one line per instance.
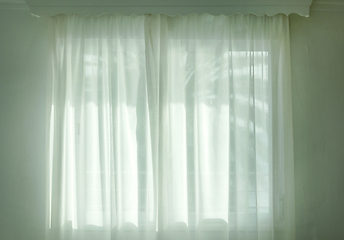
(169, 127)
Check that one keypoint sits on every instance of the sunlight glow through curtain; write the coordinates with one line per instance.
(170, 128)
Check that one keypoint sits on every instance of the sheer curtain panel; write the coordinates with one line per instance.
(164, 128)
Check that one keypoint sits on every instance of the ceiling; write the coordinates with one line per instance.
(23, 1)
(172, 7)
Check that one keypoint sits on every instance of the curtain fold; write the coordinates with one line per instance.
(170, 128)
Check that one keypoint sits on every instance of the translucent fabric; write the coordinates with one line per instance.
(164, 128)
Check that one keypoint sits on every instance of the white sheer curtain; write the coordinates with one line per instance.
(170, 128)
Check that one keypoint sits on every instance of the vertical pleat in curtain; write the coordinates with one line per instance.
(170, 128)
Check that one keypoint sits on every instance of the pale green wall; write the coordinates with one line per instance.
(317, 51)
(22, 125)
(317, 45)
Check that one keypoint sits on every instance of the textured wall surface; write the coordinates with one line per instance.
(317, 45)
(317, 51)
(22, 125)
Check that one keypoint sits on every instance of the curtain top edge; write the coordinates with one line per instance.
(171, 11)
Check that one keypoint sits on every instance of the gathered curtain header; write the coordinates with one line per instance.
(169, 7)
